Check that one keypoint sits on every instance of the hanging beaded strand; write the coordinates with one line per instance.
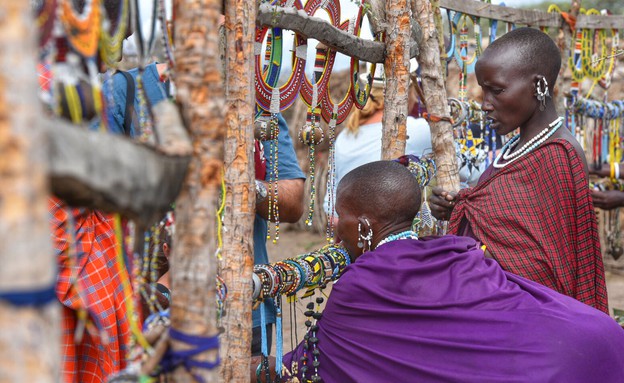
(273, 172)
(166, 35)
(311, 135)
(331, 177)
(145, 131)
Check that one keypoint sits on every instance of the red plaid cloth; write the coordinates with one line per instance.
(537, 219)
(45, 76)
(99, 280)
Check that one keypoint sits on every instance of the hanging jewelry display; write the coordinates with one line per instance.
(311, 135)
(74, 48)
(165, 27)
(45, 17)
(111, 41)
(82, 30)
(312, 94)
(145, 47)
(266, 127)
(271, 99)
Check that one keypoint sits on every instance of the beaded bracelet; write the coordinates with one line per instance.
(299, 275)
(265, 280)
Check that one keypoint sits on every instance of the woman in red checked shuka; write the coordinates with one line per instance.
(532, 208)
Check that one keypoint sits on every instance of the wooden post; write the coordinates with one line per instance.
(565, 41)
(434, 89)
(29, 336)
(396, 66)
(193, 260)
(236, 265)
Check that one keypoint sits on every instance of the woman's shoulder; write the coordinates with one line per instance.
(567, 145)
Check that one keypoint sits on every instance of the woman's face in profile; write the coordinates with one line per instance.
(347, 228)
(508, 93)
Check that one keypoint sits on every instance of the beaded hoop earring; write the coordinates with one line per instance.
(364, 239)
(541, 92)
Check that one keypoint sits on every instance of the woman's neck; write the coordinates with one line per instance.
(536, 125)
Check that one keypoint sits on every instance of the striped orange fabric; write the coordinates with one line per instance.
(91, 260)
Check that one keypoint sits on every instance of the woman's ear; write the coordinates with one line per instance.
(365, 233)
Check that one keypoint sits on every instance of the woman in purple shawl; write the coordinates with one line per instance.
(436, 310)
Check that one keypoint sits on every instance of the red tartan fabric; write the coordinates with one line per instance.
(99, 275)
(537, 219)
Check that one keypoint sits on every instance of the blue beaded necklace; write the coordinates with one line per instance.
(408, 234)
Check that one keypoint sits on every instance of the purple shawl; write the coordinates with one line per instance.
(436, 310)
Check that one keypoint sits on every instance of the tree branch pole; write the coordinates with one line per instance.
(338, 40)
(236, 266)
(565, 41)
(29, 334)
(396, 67)
(117, 174)
(201, 97)
(434, 90)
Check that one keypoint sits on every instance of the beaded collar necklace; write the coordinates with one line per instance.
(510, 156)
(408, 234)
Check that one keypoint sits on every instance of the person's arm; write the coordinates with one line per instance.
(608, 200)
(605, 170)
(290, 178)
(255, 362)
(289, 200)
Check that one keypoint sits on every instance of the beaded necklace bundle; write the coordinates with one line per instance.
(45, 18)
(308, 272)
(144, 48)
(272, 99)
(509, 152)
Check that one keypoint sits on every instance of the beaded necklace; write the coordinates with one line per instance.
(508, 155)
(408, 234)
(166, 34)
(270, 97)
(83, 30)
(45, 17)
(509, 146)
(111, 41)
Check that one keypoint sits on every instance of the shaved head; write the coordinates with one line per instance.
(383, 190)
(530, 50)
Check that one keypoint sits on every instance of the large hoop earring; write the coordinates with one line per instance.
(364, 239)
(541, 92)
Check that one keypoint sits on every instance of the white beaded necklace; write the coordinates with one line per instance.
(408, 234)
(506, 152)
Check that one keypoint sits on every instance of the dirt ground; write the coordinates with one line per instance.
(295, 242)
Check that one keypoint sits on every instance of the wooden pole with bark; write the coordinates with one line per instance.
(236, 265)
(566, 46)
(193, 261)
(29, 334)
(396, 67)
(434, 90)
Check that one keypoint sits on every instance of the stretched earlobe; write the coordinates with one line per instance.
(542, 92)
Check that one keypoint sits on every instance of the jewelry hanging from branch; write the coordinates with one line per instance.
(145, 47)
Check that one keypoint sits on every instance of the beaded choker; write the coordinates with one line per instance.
(408, 234)
(507, 154)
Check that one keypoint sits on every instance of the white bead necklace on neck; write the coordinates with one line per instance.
(508, 155)
(527, 148)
